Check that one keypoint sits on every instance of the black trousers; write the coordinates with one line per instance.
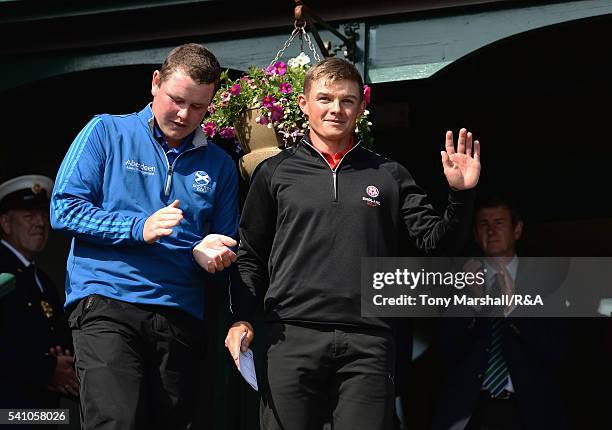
(315, 374)
(137, 365)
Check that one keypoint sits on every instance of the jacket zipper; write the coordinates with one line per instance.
(171, 170)
(334, 174)
(168, 180)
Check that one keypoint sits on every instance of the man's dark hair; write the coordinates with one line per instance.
(195, 61)
(494, 201)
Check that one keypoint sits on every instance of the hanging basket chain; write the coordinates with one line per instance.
(301, 31)
(310, 45)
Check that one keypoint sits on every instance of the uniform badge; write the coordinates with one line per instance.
(36, 188)
(46, 308)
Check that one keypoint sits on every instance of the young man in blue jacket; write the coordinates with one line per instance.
(151, 206)
(312, 212)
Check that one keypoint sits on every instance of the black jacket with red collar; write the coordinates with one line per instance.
(305, 227)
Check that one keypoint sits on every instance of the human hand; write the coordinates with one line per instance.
(56, 351)
(235, 342)
(461, 168)
(64, 380)
(213, 254)
(474, 288)
(161, 222)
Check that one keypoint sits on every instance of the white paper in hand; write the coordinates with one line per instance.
(246, 365)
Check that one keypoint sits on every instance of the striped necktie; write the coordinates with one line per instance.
(496, 375)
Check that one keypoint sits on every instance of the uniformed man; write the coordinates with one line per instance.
(36, 362)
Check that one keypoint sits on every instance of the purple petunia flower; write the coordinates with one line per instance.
(210, 129)
(268, 100)
(279, 68)
(285, 88)
(235, 89)
(228, 133)
(276, 112)
(225, 99)
(270, 70)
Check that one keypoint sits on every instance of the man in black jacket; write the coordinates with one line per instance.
(311, 214)
(36, 362)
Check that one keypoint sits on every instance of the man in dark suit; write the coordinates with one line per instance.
(36, 363)
(503, 372)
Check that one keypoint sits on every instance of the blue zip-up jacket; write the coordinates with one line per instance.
(114, 176)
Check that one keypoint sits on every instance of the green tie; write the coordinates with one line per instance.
(496, 375)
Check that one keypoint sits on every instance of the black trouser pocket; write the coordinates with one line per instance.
(80, 311)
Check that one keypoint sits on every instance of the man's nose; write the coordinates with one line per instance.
(40, 218)
(183, 112)
(335, 106)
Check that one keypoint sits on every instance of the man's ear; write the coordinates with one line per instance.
(5, 225)
(303, 104)
(362, 108)
(155, 83)
(518, 230)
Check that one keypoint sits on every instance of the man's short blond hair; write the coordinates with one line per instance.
(332, 70)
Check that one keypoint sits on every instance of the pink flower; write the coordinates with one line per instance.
(225, 98)
(235, 89)
(262, 120)
(367, 94)
(228, 133)
(250, 82)
(210, 129)
(276, 112)
(211, 109)
(279, 68)
(285, 88)
(268, 101)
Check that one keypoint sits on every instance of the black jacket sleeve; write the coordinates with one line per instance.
(431, 231)
(257, 231)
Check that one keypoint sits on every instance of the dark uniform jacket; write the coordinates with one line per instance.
(31, 322)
